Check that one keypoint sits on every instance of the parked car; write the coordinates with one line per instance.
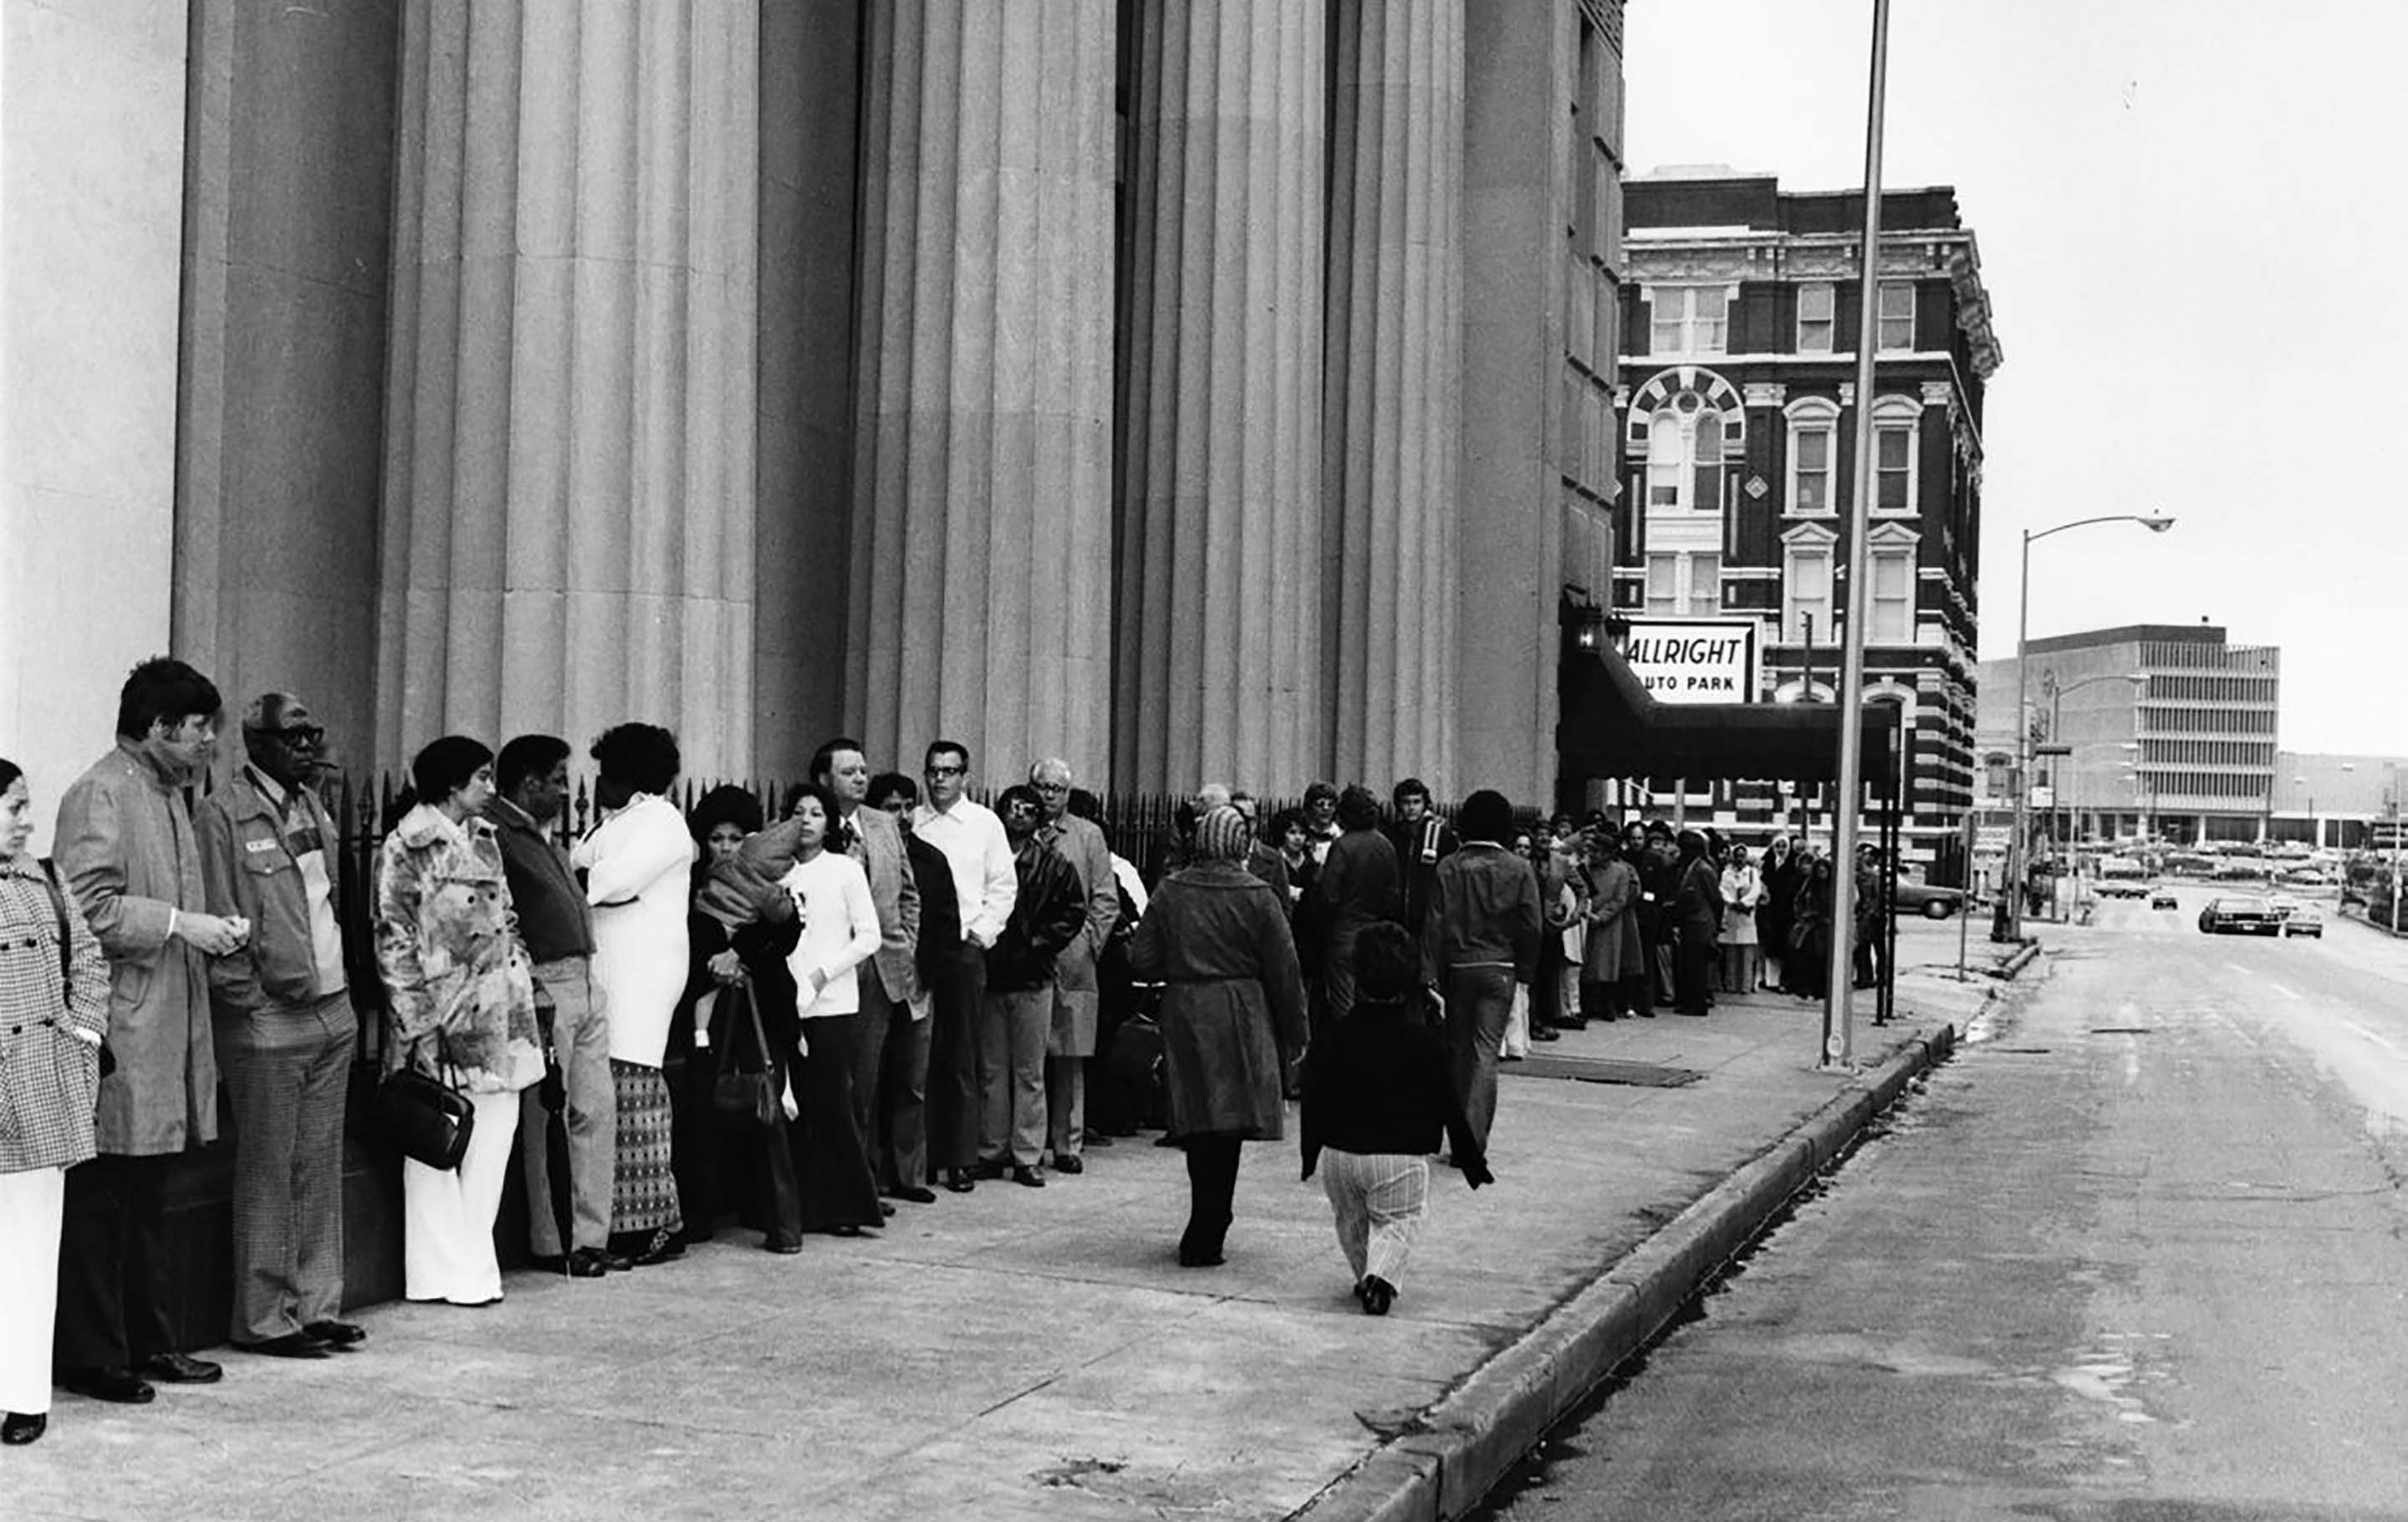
(2122, 888)
(1911, 897)
(2243, 916)
(2299, 918)
(2162, 897)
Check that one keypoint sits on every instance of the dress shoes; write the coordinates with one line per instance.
(665, 1248)
(917, 1194)
(181, 1368)
(1200, 1255)
(1545, 1033)
(587, 1263)
(20, 1428)
(961, 1180)
(782, 1246)
(339, 1335)
(1377, 1293)
(1029, 1177)
(1069, 1165)
(290, 1345)
(885, 1209)
(123, 1385)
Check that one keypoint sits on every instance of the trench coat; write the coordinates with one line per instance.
(49, 1076)
(1233, 1011)
(1081, 842)
(126, 846)
(1615, 948)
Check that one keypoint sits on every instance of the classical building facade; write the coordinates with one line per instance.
(2166, 730)
(1738, 411)
(1117, 379)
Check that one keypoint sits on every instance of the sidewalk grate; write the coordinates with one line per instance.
(1600, 1071)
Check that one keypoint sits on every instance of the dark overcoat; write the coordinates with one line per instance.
(1233, 1012)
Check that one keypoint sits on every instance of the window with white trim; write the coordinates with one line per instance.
(1891, 619)
(1893, 466)
(1663, 585)
(1806, 599)
(1684, 585)
(1812, 454)
(1685, 457)
(1897, 324)
(1689, 319)
(1818, 310)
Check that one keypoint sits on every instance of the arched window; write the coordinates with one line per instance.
(1685, 457)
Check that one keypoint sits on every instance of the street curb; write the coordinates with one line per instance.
(1474, 1436)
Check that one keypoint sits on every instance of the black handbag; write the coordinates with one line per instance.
(748, 1094)
(426, 1118)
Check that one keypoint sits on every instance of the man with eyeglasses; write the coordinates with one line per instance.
(285, 1030)
(126, 846)
(986, 885)
(1076, 1000)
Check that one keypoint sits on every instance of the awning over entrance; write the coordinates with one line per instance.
(1612, 726)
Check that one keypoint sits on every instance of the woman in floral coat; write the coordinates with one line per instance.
(53, 1011)
(460, 1004)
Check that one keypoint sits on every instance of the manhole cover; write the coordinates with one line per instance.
(1602, 1070)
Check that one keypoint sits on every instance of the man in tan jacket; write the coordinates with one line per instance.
(125, 842)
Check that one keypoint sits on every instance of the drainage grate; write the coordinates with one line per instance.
(1602, 1071)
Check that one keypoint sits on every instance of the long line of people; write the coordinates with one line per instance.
(899, 990)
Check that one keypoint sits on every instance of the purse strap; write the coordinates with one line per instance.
(760, 1035)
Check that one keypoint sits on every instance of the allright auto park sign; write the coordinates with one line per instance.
(1696, 660)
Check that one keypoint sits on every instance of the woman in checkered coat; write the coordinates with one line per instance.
(53, 1011)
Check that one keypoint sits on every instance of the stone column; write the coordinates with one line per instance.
(1218, 595)
(1392, 418)
(980, 558)
(92, 180)
(568, 491)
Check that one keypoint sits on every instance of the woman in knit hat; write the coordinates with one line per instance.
(1233, 1016)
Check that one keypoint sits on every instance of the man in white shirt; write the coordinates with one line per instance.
(986, 886)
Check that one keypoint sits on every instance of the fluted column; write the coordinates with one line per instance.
(1393, 391)
(567, 538)
(1218, 593)
(981, 542)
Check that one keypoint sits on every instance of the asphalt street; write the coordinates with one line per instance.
(2136, 1254)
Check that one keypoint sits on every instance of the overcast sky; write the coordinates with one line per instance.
(2194, 235)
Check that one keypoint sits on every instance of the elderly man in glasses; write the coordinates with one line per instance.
(285, 1028)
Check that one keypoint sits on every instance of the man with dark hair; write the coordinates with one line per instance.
(1076, 1002)
(1357, 886)
(1658, 864)
(1015, 1025)
(126, 845)
(1696, 919)
(531, 776)
(285, 1030)
(979, 857)
(1319, 819)
(1481, 939)
(890, 1071)
(1421, 840)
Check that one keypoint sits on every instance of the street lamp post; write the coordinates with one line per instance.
(2155, 524)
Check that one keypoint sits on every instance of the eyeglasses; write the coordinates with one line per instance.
(1049, 787)
(298, 734)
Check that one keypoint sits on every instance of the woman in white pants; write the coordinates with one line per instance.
(460, 1005)
(53, 1013)
(1378, 1092)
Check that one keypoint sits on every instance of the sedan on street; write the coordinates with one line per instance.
(2243, 916)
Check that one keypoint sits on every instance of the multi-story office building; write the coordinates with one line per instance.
(2148, 728)
(1739, 404)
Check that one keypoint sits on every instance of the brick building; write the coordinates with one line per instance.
(1737, 416)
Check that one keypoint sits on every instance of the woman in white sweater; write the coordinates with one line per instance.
(638, 867)
(840, 920)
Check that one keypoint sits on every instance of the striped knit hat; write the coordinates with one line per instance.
(1223, 836)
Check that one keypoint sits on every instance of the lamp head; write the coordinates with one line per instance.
(2157, 522)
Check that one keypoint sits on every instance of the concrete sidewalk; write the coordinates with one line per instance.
(1018, 1353)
